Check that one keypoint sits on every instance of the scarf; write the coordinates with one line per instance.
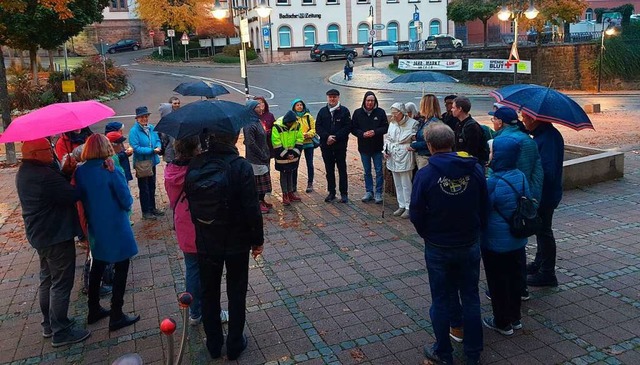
(331, 110)
(300, 114)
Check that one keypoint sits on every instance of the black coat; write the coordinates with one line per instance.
(362, 122)
(48, 203)
(338, 125)
(245, 227)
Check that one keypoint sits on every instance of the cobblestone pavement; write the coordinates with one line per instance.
(338, 284)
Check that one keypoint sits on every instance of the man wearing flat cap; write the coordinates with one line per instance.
(51, 223)
(333, 125)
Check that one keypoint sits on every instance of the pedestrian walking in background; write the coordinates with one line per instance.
(228, 225)
(348, 67)
(107, 200)
(451, 185)
(287, 140)
(308, 127)
(166, 141)
(503, 254)
(401, 161)
(447, 117)
(369, 125)
(542, 271)
(258, 154)
(430, 113)
(146, 148)
(48, 203)
(333, 125)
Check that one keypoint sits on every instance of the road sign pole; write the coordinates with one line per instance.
(66, 69)
(172, 53)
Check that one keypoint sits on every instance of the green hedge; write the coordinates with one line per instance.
(621, 57)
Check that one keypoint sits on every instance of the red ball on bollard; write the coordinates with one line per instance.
(185, 299)
(168, 326)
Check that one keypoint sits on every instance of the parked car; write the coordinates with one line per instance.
(442, 41)
(124, 45)
(327, 51)
(380, 48)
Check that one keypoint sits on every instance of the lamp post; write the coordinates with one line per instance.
(609, 31)
(505, 14)
(263, 11)
(370, 19)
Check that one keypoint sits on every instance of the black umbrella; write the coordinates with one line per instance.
(423, 76)
(201, 88)
(206, 116)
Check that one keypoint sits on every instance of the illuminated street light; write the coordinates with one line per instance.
(611, 30)
(505, 14)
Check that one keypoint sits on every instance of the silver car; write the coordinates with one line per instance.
(380, 48)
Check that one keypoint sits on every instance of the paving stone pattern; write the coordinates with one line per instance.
(339, 284)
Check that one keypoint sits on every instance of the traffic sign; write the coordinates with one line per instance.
(171, 33)
(267, 44)
(378, 26)
(151, 33)
(265, 32)
(416, 16)
(68, 86)
(184, 39)
(372, 32)
(419, 27)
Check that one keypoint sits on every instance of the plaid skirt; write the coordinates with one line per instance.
(263, 183)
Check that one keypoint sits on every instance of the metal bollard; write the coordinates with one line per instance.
(184, 301)
(168, 326)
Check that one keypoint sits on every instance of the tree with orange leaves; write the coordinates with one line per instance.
(181, 15)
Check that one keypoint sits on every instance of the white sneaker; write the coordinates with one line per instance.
(224, 316)
(195, 321)
(405, 214)
(398, 212)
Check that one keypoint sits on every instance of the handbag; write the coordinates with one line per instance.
(316, 141)
(144, 168)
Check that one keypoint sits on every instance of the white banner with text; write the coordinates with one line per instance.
(415, 64)
(494, 65)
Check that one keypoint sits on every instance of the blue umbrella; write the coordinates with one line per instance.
(201, 88)
(423, 76)
(206, 117)
(544, 104)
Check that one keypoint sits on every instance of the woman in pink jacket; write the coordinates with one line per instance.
(174, 175)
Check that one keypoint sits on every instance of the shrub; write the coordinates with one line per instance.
(92, 82)
(25, 95)
(231, 54)
(621, 57)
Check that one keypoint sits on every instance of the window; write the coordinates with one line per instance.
(588, 15)
(333, 2)
(363, 33)
(413, 32)
(309, 35)
(363, 1)
(282, 2)
(333, 34)
(284, 37)
(118, 5)
(434, 27)
(392, 31)
(308, 2)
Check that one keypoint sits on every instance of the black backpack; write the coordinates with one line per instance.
(485, 136)
(524, 221)
(207, 189)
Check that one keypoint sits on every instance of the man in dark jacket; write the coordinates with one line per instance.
(48, 203)
(449, 207)
(369, 124)
(333, 125)
(469, 134)
(226, 243)
(542, 271)
(447, 116)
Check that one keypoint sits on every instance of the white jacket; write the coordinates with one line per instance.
(398, 138)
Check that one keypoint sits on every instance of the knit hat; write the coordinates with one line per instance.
(251, 104)
(115, 137)
(113, 127)
(289, 118)
(399, 107)
(506, 115)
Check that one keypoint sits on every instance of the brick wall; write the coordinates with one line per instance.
(567, 67)
(111, 31)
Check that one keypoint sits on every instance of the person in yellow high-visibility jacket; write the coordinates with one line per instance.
(287, 140)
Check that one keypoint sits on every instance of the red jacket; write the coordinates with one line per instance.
(174, 175)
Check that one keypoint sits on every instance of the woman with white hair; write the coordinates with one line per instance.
(400, 161)
(412, 110)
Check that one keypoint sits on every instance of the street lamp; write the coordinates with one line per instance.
(611, 30)
(263, 11)
(370, 20)
(505, 14)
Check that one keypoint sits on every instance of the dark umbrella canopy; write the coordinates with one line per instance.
(544, 104)
(201, 88)
(206, 116)
(423, 76)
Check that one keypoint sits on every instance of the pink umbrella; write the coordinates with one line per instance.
(55, 119)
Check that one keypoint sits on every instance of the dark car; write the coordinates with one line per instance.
(327, 51)
(124, 45)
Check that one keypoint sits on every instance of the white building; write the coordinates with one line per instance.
(296, 25)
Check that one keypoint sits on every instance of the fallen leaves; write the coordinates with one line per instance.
(357, 355)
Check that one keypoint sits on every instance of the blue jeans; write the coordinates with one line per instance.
(452, 270)
(192, 282)
(368, 177)
(147, 187)
(308, 157)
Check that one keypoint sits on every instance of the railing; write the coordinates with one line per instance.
(550, 38)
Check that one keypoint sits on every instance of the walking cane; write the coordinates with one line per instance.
(384, 182)
(184, 301)
(168, 326)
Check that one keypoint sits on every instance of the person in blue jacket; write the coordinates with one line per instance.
(502, 253)
(106, 199)
(449, 206)
(542, 271)
(146, 146)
